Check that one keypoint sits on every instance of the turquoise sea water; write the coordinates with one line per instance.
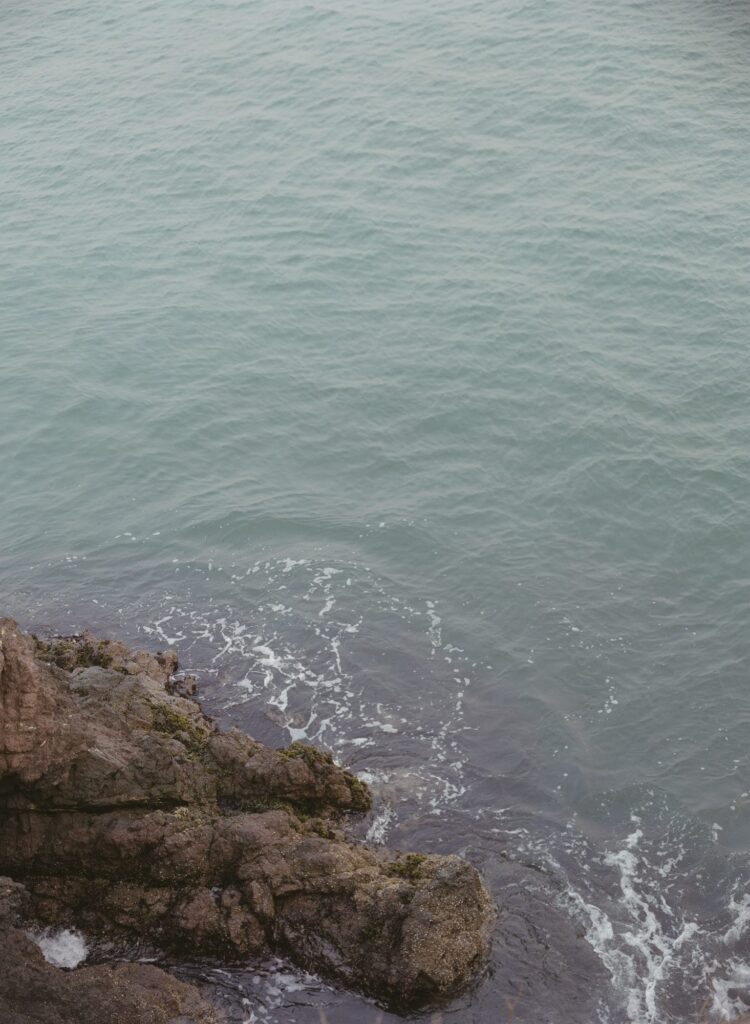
(392, 361)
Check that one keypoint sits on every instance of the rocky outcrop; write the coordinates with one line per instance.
(124, 810)
(32, 991)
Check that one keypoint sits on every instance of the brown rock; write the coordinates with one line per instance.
(33, 991)
(124, 809)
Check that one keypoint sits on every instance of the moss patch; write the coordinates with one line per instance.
(171, 722)
(361, 796)
(310, 755)
(409, 866)
(321, 828)
(76, 651)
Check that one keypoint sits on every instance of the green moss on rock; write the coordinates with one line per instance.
(310, 755)
(361, 796)
(410, 866)
(76, 651)
(170, 722)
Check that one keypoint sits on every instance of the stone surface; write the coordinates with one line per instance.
(32, 991)
(125, 810)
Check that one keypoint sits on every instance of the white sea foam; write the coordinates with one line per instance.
(740, 910)
(726, 1000)
(63, 947)
(380, 825)
(300, 667)
(274, 986)
(643, 944)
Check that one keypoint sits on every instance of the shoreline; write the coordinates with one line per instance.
(126, 812)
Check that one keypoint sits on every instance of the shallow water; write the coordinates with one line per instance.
(391, 361)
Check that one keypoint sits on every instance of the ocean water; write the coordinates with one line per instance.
(392, 362)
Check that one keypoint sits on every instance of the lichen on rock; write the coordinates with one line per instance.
(126, 811)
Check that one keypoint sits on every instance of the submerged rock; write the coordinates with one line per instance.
(126, 811)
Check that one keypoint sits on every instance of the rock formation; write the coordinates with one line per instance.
(126, 812)
(34, 992)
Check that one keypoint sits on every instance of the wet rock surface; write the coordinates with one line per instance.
(33, 991)
(125, 811)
